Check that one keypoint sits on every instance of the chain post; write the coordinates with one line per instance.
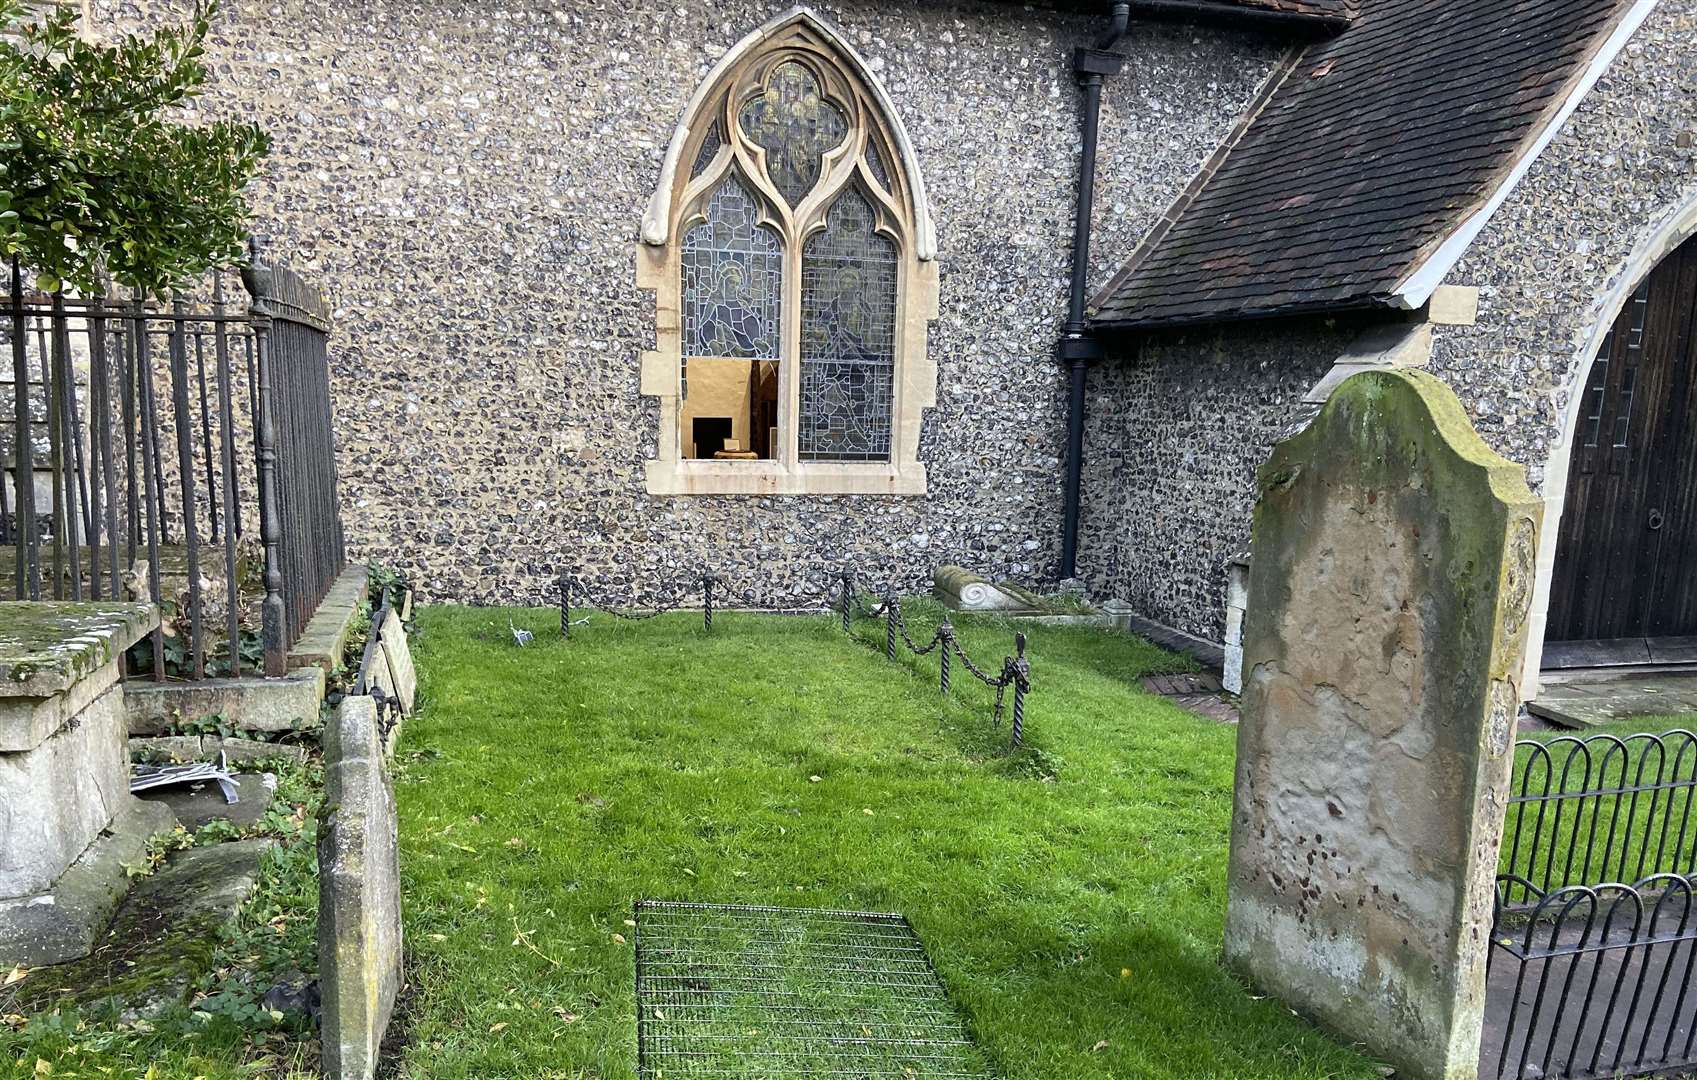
(848, 599)
(891, 614)
(946, 632)
(565, 606)
(1021, 671)
(707, 602)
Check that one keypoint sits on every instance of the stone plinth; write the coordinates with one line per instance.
(67, 820)
(1392, 572)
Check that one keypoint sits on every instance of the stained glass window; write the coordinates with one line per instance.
(848, 333)
(875, 162)
(733, 271)
(796, 126)
(709, 150)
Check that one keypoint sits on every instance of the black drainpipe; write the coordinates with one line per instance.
(1078, 346)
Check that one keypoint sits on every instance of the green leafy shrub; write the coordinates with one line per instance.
(95, 180)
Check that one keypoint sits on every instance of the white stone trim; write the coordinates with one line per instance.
(1679, 227)
(1417, 287)
(657, 221)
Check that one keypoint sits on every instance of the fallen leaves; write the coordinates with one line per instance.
(521, 938)
(496, 1029)
(18, 974)
(618, 939)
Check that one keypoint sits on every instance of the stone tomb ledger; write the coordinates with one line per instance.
(68, 823)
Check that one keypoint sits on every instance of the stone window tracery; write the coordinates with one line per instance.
(794, 276)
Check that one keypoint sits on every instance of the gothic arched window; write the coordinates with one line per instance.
(792, 261)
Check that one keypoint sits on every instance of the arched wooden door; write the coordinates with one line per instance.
(1625, 581)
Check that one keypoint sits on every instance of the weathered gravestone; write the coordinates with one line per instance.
(1392, 573)
(359, 893)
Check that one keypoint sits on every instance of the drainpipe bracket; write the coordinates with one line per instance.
(1080, 349)
(1087, 62)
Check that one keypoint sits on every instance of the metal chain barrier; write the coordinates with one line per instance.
(844, 598)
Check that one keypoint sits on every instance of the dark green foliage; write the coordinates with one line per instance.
(94, 179)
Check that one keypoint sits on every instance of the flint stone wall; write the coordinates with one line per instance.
(468, 184)
(1392, 570)
(359, 893)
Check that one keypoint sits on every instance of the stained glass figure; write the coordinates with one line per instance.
(796, 126)
(848, 336)
(709, 150)
(875, 163)
(733, 277)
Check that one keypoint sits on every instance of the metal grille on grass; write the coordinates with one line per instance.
(730, 991)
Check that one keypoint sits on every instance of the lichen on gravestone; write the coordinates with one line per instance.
(1381, 650)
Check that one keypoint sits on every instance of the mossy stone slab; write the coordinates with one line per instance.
(46, 647)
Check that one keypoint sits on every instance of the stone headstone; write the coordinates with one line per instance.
(1391, 579)
(359, 893)
(402, 674)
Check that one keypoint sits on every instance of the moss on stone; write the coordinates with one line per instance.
(46, 646)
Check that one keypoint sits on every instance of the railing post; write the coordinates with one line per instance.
(227, 455)
(270, 528)
(891, 614)
(78, 523)
(707, 602)
(946, 634)
(1021, 671)
(23, 452)
(53, 384)
(848, 599)
(565, 606)
(182, 421)
(152, 503)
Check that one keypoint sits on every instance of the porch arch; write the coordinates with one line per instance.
(1660, 242)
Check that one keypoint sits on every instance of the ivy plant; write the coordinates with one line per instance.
(97, 178)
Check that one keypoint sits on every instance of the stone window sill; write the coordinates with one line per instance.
(692, 477)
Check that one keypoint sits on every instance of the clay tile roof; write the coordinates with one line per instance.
(1378, 145)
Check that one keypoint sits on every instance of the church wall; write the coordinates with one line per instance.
(467, 183)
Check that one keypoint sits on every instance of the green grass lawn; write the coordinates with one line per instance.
(1071, 896)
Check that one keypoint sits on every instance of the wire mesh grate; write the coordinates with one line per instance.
(742, 992)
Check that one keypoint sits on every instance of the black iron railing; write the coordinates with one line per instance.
(841, 597)
(178, 453)
(1599, 808)
(1601, 981)
(1591, 976)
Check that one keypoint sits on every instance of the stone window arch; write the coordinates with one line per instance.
(792, 257)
